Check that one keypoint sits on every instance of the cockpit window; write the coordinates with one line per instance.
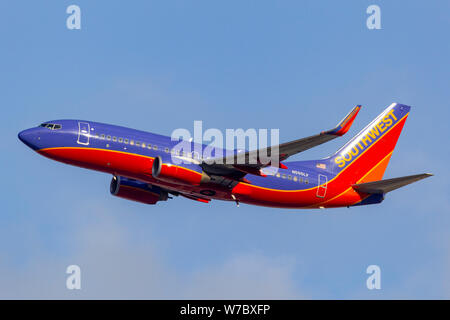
(51, 126)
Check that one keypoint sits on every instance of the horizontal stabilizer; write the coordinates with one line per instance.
(385, 186)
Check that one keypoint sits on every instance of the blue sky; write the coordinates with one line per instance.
(159, 65)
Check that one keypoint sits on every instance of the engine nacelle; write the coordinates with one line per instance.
(136, 190)
(173, 174)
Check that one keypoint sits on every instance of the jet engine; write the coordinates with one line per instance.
(173, 174)
(135, 190)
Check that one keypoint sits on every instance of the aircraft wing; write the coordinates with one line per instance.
(251, 161)
(388, 185)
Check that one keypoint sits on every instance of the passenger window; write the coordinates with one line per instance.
(166, 150)
(155, 147)
(278, 175)
(289, 177)
(120, 140)
(295, 178)
(97, 136)
(126, 141)
(102, 136)
(138, 144)
(283, 176)
(132, 142)
(114, 139)
(143, 144)
(149, 146)
(306, 181)
(108, 138)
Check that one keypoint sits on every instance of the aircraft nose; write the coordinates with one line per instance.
(28, 137)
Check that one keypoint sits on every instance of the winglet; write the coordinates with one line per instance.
(345, 123)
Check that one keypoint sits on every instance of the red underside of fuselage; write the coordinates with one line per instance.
(128, 165)
(339, 191)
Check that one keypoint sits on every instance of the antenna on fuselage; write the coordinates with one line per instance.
(236, 200)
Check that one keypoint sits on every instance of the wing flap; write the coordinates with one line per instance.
(388, 185)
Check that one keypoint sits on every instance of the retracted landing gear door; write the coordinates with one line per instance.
(322, 186)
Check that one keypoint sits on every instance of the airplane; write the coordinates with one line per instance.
(143, 169)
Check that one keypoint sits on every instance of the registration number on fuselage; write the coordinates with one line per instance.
(300, 173)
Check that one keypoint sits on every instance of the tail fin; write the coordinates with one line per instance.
(366, 156)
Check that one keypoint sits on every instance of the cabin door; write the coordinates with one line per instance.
(322, 186)
(83, 133)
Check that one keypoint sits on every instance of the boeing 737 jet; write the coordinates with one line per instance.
(143, 167)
